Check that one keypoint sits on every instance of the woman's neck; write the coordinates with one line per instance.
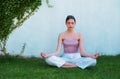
(70, 30)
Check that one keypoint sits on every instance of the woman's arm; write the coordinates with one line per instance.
(44, 55)
(82, 51)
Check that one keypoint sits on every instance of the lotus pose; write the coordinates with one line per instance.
(74, 53)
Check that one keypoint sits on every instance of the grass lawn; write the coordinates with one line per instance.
(108, 67)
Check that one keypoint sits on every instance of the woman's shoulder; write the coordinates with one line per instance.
(61, 35)
(78, 33)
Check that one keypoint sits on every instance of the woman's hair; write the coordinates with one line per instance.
(70, 17)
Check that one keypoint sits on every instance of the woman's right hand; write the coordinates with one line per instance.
(95, 55)
(44, 55)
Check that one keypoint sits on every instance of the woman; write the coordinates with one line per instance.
(73, 49)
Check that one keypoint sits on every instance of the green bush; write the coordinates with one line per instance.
(12, 15)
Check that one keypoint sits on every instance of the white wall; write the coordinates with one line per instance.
(97, 20)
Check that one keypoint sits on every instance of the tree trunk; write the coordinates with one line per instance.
(3, 47)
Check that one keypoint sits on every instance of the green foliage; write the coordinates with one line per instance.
(47, 1)
(22, 51)
(108, 67)
(12, 15)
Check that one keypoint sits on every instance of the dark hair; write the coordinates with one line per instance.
(70, 17)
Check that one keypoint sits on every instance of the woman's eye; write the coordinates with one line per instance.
(72, 23)
(68, 22)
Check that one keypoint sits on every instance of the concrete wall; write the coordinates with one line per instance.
(97, 20)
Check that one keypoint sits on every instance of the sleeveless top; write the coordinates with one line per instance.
(70, 46)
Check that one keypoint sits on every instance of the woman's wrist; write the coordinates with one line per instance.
(90, 56)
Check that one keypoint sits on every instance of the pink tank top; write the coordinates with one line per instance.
(70, 46)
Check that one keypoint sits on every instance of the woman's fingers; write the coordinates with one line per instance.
(96, 55)
(43, 55)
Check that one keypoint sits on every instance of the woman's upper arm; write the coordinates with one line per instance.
(80, 42)
(82, 51)
(60, 38)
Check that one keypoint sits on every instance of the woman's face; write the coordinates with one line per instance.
(70, 23)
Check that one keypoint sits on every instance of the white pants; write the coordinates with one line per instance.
(81, 62)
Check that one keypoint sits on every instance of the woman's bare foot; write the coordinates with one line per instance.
(69, 65)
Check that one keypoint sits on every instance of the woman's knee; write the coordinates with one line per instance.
(50, 60)
(55, 61)
(94, 62)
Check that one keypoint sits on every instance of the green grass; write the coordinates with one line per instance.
(108, 67)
